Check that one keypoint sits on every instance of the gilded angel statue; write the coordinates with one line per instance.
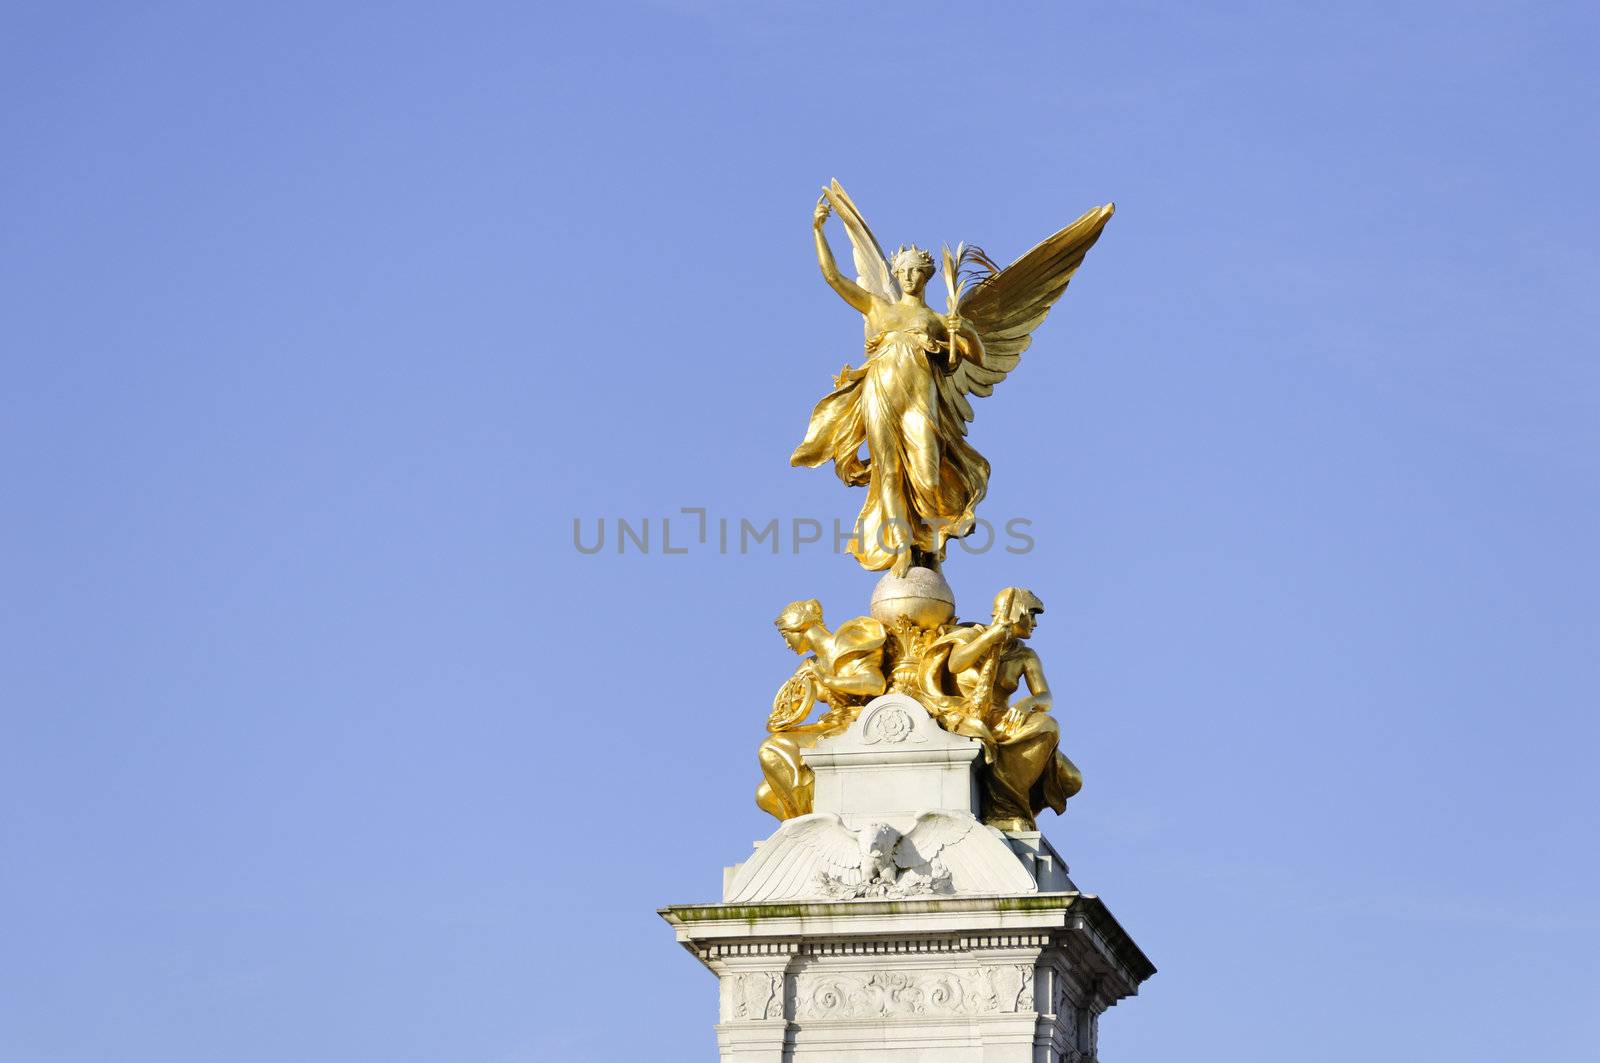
(908, 402)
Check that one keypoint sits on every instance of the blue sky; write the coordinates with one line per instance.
(323, 322)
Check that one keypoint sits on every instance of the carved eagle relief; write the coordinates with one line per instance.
(818, 856)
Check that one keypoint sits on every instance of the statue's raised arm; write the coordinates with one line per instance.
(853, 292)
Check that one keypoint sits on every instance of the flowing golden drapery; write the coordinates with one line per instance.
(923, 478)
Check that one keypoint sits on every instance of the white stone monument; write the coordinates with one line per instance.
(907, 908)
(891, 924)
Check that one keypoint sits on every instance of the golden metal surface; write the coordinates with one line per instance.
(844, 672)
(964, 674)
(907, 403)
(967, 677)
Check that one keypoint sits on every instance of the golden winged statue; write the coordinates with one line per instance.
(908, 402)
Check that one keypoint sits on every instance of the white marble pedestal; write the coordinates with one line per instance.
(945, 980)
(891, 926)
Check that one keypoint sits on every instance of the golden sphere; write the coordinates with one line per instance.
(921, 596)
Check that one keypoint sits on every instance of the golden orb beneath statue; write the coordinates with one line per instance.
(921, 596)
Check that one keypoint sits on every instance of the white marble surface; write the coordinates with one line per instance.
(898, 781)
(941, 980)
(893, 763)
(891, 926)
(942, 854)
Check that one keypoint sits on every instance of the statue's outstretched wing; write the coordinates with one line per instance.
(872, 269)
(1007, 306)
(976, 857)
(788, 863)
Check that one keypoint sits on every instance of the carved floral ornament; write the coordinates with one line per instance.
(890, 723)
(1002, 988)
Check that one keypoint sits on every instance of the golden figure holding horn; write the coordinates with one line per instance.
(907, 403)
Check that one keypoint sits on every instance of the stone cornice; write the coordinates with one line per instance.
(1079, 922)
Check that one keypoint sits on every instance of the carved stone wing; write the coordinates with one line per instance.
(872, 269)
(934, 832)
(1007, 306)
(976, 857)
(788, 864)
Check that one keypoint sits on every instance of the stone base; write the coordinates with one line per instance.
(891, 924)
(1021, 979)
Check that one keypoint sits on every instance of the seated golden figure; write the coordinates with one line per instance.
(967, 678)
(845, 673)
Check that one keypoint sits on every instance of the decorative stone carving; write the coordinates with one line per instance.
(756, 995)
(818, 856)
(909, 884)
(1066, 1011)
(993, 989)
(889, 723)
(1006, 979)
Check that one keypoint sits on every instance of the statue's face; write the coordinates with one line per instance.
(1024, 625)
(794, 639)
(913, 278)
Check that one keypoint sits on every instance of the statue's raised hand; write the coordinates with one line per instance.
(820, 215)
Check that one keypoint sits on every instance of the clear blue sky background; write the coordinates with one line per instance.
(323, 321)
